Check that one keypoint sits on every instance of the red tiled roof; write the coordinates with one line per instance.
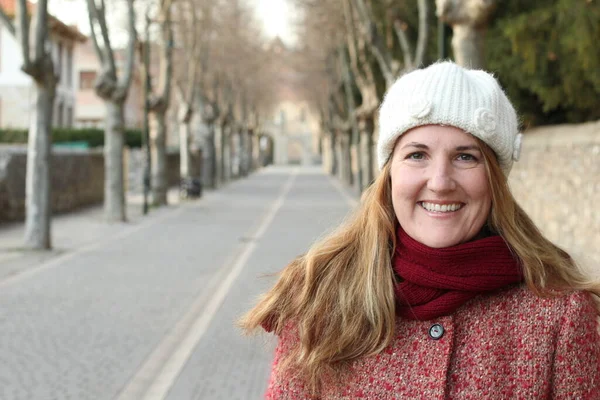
(10, 7)
(56, 25)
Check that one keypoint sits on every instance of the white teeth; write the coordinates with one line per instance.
(440, 208)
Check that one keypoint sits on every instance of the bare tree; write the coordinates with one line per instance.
(113, 86)
(391, 67)
(469, 20)
(324, 44)
(371, 43)
(241, 92)
(159, 102)
(190, 30)
(38, 64)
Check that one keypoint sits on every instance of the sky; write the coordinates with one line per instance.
(276, 16)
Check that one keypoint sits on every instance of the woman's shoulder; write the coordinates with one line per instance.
(521, 301)
(559, 300)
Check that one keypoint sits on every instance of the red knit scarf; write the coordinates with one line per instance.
(435, 282)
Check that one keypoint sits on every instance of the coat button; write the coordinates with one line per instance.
(436, 331)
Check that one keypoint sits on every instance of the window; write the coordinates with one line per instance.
(59, 66)
(69, 117)
(87, 80)
(59, 115)
(69, 77)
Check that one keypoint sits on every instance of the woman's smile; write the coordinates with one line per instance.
(441, 207)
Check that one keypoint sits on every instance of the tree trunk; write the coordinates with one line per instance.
(366, 126)
(334, 154)
(347, 157)
(467, 45)
(114, 143)
(225, 159)
(234, 153)
(356, 164)
(218, 134)
(209, 173)
(37, 184)
(339, 153)
(468, 20)
(253, 151)
(158, 140)
(244, 154)
(184, 148)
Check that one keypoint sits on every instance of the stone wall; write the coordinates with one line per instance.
(135, 160)
(77, 179)
(557, 182)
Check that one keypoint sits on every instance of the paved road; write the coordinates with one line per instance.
(147, 310)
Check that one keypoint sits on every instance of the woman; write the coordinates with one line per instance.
(439, 286)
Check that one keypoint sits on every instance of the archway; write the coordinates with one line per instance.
(294, 149)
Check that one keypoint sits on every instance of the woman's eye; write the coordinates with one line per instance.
(467, 157)
(415, 156)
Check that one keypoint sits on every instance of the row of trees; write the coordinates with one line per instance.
(212, 57)
(543, 52)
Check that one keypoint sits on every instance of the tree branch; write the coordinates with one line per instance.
(195, 54)
(41, 31)
(8, 24)
(100, 16)
(347, 79)
(167, 39)
(128, 71)
(106, 39)
(23, 32)
(93, 17)
(404, 43)
(423, 32)
(351, 43)
(376, 45)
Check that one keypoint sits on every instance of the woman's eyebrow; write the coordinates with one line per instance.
(417, 145)
(470, 147)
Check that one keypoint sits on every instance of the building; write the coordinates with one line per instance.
(90, 110)
(293, 124)
(17, 90)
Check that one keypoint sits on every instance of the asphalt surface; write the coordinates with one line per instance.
(147, 309)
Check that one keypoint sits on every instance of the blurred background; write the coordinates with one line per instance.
(127, 107)
(223, 87)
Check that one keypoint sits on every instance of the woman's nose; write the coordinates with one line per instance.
(440, 178)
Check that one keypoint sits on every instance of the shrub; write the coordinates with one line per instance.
(546, 54)
(92, 136)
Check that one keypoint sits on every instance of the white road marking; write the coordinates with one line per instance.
(336, 183)
(158, 374)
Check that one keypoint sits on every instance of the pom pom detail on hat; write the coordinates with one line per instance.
(419, 108)
(485, 121)
(447, 94)
(517, 147)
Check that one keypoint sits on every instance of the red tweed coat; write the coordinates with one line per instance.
(509, 345)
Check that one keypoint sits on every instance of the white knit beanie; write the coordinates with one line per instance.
(447, 94)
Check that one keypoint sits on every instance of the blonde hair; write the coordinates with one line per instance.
(340, 294)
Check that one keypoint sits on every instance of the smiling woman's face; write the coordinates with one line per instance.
(440, 190)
